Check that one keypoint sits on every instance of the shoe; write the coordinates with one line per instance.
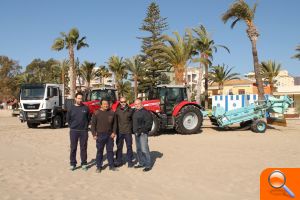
(146, 169)
(84, 167)
(72, 167)
(113, 169)
(130, 165)
(98, 170)
(138, 166)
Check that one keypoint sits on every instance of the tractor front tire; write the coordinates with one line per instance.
(189, 120)
(155, 126)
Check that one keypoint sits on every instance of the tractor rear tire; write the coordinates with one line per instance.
(189, 120)
(155, 126)
(259, 126)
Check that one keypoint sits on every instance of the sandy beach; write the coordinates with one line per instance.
(34, 164)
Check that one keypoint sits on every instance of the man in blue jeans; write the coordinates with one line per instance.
(78, 121)
(142, 124)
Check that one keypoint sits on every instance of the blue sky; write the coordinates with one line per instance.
(28, 29)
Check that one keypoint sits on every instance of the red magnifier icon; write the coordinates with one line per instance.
(277, 180)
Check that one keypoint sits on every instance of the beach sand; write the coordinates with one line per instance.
(34, 164)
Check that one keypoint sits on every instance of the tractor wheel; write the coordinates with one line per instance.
(259, 126)
(189, 120)
(56, 122)
(32, 125)
(155, 126)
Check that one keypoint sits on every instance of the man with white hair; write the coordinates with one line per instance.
(142, 124)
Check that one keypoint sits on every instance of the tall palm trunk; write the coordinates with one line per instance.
(72, 73)
(135, 86)
(199, 84)
(271, 88)
(253, 35)
(221, 88)
(179, 74)
(206, 86)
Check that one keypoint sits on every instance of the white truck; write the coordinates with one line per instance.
(43, 104)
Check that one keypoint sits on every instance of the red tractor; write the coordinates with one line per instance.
(171, 109)
(93, 98)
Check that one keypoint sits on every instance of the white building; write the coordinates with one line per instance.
(193, 78)
(283, 78)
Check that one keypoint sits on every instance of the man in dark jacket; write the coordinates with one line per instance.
(78, 120)
(103, 129)
(142, 124)
(124, 121)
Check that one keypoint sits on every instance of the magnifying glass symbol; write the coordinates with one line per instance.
(277, 180)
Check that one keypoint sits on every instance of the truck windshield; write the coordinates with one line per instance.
(103, 94)
(32, 92)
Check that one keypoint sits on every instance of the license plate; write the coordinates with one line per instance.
(31, 115)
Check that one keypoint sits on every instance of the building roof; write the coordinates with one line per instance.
(236, 82)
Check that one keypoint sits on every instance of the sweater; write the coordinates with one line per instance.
(103, 122)
(78, 117)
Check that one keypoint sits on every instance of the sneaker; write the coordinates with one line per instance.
(72, 167)
(84, 167)
(98, 170)
(138, 166)
(146, 169)
(113, 169)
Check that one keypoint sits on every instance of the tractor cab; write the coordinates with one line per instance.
(95, 95)
(170, 96)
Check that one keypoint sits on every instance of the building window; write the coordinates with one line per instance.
(194, 77)
(189, 78)
(241, 91)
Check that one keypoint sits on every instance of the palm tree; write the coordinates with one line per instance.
(221, 74)
(124, 89)
(87, 72)
(270, 70)
(117, 66)
(240, 11)
(102, 73)
(137, 68)
(298, 54)
(205, 47)
(177, 54)
(70, 41)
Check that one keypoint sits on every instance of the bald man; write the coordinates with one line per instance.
(141, 125)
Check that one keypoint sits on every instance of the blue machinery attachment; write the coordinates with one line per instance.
(252, 115)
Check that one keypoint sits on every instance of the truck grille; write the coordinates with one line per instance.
(31, 106)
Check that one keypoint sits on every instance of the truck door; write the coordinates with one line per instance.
(52, 97)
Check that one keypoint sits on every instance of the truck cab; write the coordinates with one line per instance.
(42, 104)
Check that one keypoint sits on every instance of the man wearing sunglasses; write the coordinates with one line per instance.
(124, 122)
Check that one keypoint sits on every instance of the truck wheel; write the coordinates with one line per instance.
(56, 122)
(155, 126)
(189, 120)
(32, 125)
(259, 126)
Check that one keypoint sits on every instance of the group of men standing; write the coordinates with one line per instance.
(106, 126)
